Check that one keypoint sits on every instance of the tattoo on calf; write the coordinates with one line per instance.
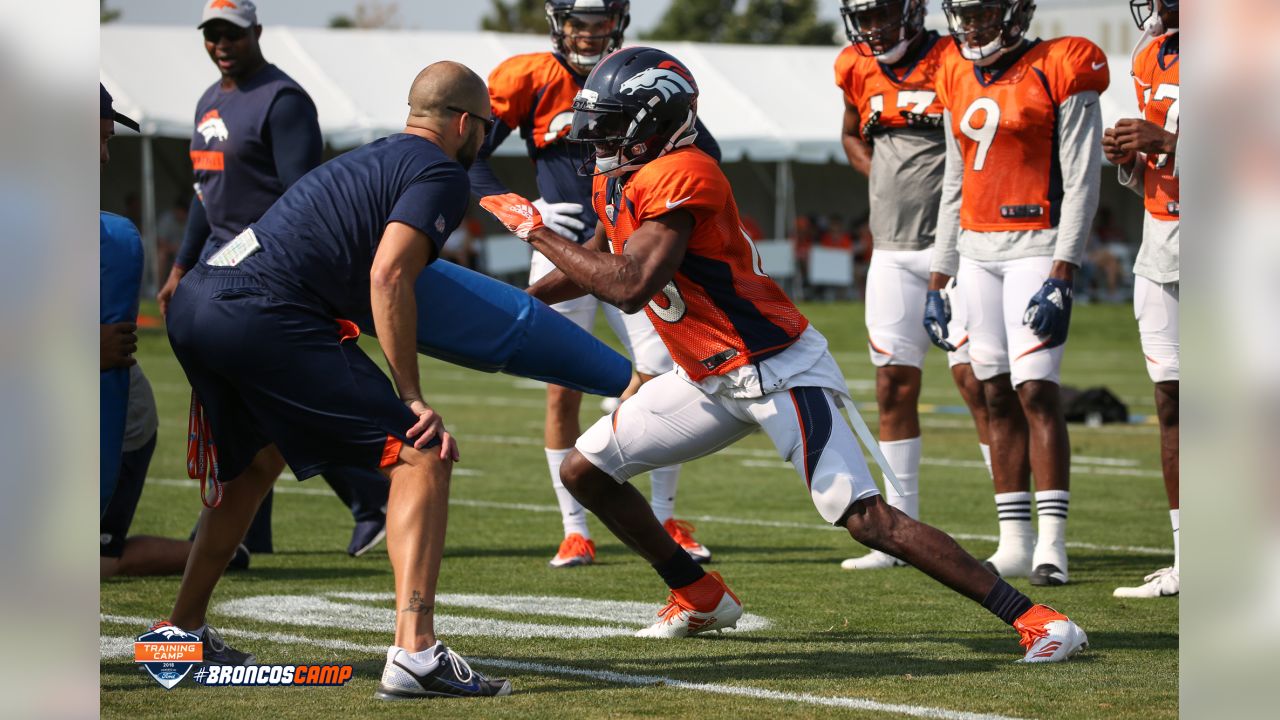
(418, 604)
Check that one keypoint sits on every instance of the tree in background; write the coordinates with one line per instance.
(771, 22)
(105, 14)
(516, 16)
(694, 21)
(369, 15)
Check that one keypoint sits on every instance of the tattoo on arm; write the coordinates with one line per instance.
(418, 604)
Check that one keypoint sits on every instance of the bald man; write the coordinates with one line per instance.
(260, 329)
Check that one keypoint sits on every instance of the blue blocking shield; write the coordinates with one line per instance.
(472, 320)
(120, 268)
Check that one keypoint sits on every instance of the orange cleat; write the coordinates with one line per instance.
(574, 550)
(706, 605)
(1048, 635)
(682, 533)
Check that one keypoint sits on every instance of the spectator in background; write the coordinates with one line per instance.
(1104, 264)
(170, 227)
(803, 238)
(463, 247)
(257, 133)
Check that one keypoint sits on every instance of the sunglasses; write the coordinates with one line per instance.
(232, 34)
(489, 122)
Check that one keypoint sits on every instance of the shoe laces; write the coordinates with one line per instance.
(680, 531)
(1034, 628)
(459, 665)
(574, 546)
(672, 609)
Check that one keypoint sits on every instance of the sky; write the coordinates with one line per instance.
(419, 14)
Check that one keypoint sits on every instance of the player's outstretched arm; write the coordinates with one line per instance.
(555, 286)
(628, 280)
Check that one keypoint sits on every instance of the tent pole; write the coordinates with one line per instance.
(148, 216)
(781, 200)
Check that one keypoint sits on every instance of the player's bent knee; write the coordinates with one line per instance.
(582, 479)
(872, 522)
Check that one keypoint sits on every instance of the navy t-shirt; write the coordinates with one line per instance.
(319, 239)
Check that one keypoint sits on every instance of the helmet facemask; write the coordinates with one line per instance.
(882, 29)
(985, 29)
(604, 23)
(615, 143)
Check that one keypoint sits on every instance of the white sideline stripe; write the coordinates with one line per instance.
(527, 507)
(115, 643)
(1075, 469)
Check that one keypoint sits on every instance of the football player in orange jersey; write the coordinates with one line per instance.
(893, 134)
(1021, 186)
(1144, 151)
(670, 242)
(534, 93)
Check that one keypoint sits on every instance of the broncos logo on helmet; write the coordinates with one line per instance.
(666, 82)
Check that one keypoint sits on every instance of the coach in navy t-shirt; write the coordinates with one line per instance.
(259, 329)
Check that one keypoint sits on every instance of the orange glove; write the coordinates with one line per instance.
(518, 214)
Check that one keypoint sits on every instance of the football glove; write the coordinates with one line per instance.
(516, 213)
(937, 316)
(561, 218)
(872, 126)
(917, 120)
(1049, 312)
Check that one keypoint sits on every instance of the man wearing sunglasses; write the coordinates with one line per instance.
(534, 94)
(256, 134)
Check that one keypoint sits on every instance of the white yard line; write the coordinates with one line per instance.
(715, 519)
(117, 647)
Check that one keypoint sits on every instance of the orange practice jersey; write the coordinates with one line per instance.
(1006, 125)
(720, 311)
(534, 93)
(1155, 76)
(870, 86)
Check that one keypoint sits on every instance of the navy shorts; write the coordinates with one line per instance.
(272, 371)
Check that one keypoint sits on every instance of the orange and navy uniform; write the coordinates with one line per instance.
(1006, 123)
(720, 311)
(533, 93)
(871, 86)
(1155, 77)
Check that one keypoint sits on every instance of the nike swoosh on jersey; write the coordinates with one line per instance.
(678, 203)
(1099, 66)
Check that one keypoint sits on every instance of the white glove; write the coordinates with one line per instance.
(561, 218)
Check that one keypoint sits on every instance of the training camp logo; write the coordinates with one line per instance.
(667, 82)
(212, 127)
(168, 653)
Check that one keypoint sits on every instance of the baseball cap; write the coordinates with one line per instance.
(106, 112)
(237, 12)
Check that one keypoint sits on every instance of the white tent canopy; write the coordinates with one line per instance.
(770, 103)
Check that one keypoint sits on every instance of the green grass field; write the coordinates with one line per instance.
(837, 643)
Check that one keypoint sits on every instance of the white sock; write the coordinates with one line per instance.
(1013, 554)
(904, 461)
(572, 514)
(1051, 508)
(423, 661)
(1177, 554)
(986, 457)
(662, 491)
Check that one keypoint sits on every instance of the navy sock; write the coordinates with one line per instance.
(1005, 602)
(680, 570)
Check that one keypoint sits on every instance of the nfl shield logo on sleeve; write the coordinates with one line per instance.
(168, 653)
(441, 224)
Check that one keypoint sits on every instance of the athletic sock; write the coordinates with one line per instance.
(1005, 602)
(572, 514)
(423, 661)
(1177, 554)
(680, 570)
(904, 460)
(1051, 545)
(1017, 537)
(986, 457)
(662, 491)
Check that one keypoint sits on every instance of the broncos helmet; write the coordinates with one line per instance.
(636, 106)
(559, 12)
(883, 28)
(984, 29)
(1144, 10)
